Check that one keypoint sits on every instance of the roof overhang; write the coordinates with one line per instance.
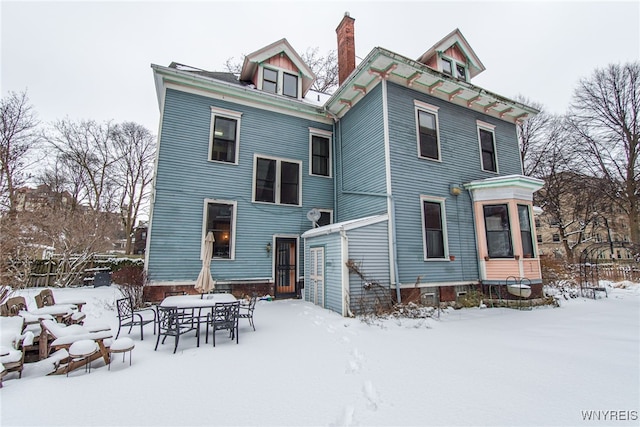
(384, 64)
(504, 187)
(253, 61)
(245, 95)
(344, 226)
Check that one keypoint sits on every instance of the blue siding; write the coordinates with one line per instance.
(369, 248)
(361, 160)
(412, 177)
(185, 178)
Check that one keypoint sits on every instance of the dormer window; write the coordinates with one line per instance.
(280, 82)
(447, 67)
(462, 72)
(270, 80)
(290, 85)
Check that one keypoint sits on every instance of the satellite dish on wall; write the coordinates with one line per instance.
(313, 215)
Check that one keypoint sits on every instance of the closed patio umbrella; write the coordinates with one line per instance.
(205, 282)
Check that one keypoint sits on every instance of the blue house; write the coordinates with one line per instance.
(407, 179)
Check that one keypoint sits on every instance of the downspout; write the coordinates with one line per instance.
(393, 250)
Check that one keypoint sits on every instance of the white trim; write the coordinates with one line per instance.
(232, 237)
(443, 218)
(323, 134)
(227, 114)
(430, 109)
(491, 129)
(277, 184)
(253, 98)
(486, 125)
(345, 225)
(391, 229)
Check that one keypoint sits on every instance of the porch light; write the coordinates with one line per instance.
(268, 248)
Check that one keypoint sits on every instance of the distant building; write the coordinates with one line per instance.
(30, 199)
(140, 238)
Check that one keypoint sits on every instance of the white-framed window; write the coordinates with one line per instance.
(326, 218)
(487, 141)
(498, 230)
(454, 68)
(427, 130)
(224, 135)
(524, 218)
(277, 180)
(279, 81)
(434, 228)
(219, 217)
(319, 152)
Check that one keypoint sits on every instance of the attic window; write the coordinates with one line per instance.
(270, 80)
(447, 67)
(290, 85)
(462, 72)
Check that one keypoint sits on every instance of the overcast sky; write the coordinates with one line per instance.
(91, 60)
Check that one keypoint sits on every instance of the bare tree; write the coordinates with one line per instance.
(569, 198)
(87, 151)
(533, 137)
(605, 118)
(325, 67)
(135, 147)
(18, 137)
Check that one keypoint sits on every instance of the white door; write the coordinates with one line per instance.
(317, 276)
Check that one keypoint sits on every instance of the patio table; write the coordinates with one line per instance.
(195, 301)
(192, 305)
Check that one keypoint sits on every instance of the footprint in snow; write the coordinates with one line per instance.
(346, 418)
(371, 395)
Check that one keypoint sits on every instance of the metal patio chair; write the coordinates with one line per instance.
(128, 316)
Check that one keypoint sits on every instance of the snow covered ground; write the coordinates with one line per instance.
(308, 366)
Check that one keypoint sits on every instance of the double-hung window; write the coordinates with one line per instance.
(525, 231)
(290, 85)
(269, 80)
(427, 130)
(219, 218)
(434, 230)
(224, 135)
(498, 229)
(280, 82)
(319, 152)
(277, 181)
(487, 140)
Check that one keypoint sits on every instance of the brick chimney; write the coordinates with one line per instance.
(346, 48)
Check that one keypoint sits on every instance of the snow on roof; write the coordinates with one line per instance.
(345, 225)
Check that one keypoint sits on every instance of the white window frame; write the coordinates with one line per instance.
(431, 109)
(454, 68)
(280, 82)
(330, 212)
(489, 128)
(227, 114)
(324, 134)
(232, 237)
(278, 161)
(443, 214)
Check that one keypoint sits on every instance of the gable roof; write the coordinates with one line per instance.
(455, 38)
(253, 60)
